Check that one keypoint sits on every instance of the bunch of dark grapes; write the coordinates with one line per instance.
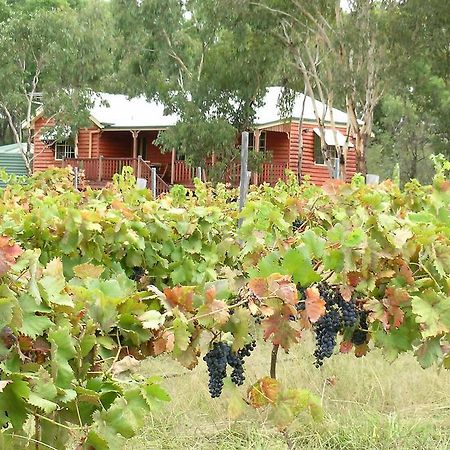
(339, 314)
(296, 224)
(359, 336)
(326, 329)
(217, 360)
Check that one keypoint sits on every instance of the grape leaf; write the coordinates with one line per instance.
(314, 304)
(297, 262)
(8, 254)
(284, 332)
(88, 270)
(12, 400)
(181, 296)
(213, 310)
(152, 319)
(433, 312)
(62, 350)
(265, 391)
(429, 352)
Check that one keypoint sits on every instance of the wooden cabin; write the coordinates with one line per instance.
(122, 132)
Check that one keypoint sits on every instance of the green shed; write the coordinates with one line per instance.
(11, 160)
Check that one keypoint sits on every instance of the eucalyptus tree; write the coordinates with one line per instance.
(56, 55)
(204, 61)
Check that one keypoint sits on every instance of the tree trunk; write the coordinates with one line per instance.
(360, 152)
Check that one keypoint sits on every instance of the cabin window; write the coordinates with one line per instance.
(180, 156)
(64, 150)
(318, 157)
(262, 141)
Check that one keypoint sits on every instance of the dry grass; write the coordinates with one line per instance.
(373, 405)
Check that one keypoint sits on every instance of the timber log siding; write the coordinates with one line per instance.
(282, 148)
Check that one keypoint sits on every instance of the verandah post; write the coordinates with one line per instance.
(100, 167)
(172, 168)
(139, 168)
(153, 181)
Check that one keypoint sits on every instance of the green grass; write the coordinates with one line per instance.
(372, 405)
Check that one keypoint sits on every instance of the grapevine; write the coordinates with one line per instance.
(91, 283)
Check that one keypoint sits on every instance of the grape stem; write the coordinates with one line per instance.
(273, 362)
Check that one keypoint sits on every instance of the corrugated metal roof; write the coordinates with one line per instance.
(11, 160)
(12, 148)
(119, 111)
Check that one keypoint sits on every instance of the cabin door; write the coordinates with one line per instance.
(142, 147)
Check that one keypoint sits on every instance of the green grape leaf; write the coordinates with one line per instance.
(429, 353)
(182, 333)
(355, 238)
(298, 264)
(62, 351)
(314, 243)
(433, 312)
(152, 319)
(12, 400)
(46, 405)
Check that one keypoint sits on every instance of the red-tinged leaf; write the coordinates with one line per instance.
(281, 286)
(345, 347)
(394, 297)
(8, 254)
(210, 295)
(258, 286)
(332, 187)
(314, 304)
(181, 296)
(346, 292)
(213, 312)
(361, 350)
(284, 332)
(122, 207)
(164, 343)
(354, 278)
(406, 273)
(264, 392)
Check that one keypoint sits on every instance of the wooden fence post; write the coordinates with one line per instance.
(153, 180)
(245, 178)
(199, 173)
(100, 167)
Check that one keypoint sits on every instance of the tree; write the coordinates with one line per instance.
(51, 55)
(340, 55)
(204, 62)
(412, 121)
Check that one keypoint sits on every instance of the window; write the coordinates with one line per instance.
(318, 157)
(63, 150)
(262, 141)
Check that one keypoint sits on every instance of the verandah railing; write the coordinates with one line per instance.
(268, 173)
(102, 169)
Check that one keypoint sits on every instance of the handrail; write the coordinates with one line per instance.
(161, 185)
